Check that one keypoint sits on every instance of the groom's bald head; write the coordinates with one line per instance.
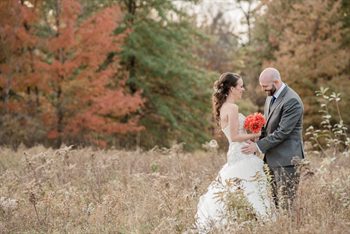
(270, 74)
(270, 80)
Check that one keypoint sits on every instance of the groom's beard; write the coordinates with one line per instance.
(272, 91)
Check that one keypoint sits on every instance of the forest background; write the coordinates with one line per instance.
(132, 73)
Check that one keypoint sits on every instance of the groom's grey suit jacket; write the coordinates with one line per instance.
(281, 139)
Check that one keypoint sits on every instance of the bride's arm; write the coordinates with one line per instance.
(233, 121)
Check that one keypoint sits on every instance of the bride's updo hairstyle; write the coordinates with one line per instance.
(221, 91)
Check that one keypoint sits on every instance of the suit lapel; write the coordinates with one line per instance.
(276, 103)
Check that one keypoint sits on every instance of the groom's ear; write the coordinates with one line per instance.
(276, 82)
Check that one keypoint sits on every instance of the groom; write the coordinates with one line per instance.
(281, 138)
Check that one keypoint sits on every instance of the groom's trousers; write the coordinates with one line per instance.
(284, 185)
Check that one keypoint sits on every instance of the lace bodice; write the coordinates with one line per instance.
(241, 129)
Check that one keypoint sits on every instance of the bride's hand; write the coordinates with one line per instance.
(256, 136)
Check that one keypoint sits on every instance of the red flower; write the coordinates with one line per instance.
(254, 122)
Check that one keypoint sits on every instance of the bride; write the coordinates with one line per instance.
(242, 174)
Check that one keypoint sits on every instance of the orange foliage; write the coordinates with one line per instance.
(17, 44)
(309, 48)
(86, 92)
(81, 92)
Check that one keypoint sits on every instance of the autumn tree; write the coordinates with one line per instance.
(18, 76)
(310, 52)
(266, 27)
(81, 87)
(84, 81)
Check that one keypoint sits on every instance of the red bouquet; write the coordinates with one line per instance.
(254, 122)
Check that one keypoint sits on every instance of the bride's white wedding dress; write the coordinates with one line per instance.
(241, 171)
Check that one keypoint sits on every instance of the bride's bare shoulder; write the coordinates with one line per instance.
(229, 107)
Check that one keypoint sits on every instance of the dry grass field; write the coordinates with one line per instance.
(94, 191)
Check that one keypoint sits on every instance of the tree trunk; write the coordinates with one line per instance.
(131, 61)
(58, 104)
(59, 115)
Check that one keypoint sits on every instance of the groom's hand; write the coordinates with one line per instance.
(249, 148)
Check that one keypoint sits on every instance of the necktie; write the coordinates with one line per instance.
(271, 102)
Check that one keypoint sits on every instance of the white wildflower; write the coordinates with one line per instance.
(8, 204)
(212, 144)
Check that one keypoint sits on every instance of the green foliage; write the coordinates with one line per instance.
(346, 20)
(160, 57)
